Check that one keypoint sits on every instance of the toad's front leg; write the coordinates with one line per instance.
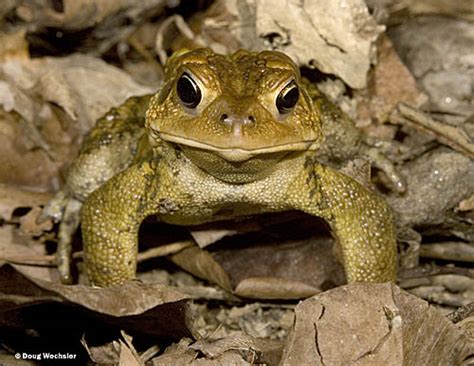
(360, 220)
(110, 219)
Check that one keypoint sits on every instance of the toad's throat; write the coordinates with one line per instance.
(236, 152)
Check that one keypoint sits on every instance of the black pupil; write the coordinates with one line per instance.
(188, 91)
(288, 98)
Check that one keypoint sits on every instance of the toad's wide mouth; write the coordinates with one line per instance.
(238, 153)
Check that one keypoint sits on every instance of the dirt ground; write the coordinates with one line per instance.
(261, 290)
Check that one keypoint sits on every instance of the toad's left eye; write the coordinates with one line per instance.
(288, 97)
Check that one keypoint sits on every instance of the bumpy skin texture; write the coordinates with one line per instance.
(233, 154)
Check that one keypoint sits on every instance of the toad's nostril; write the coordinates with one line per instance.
(224, 117)
(251, 119)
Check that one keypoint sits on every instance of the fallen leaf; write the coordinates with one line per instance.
(176, 354)
(29, 225)
(201, 264)
(393, 83)
(335, 37)
(271, 264)
(108, 353)
(152, 309)
(84, 86)
(81, 14)
(373, 324)
(128, 354)
(12, 198)
(24, 249)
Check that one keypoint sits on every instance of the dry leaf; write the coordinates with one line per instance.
(254, 350)
(81, 14)
(22, 163)
(12, 198)
(393, 83)
(373, 324)
(336, 37)
(201, 264)
(84, 86)
(30, 226)
(104, 354)
(155, 310)
(176, 354)
(24, 249)
(128, 354)
(265, 268)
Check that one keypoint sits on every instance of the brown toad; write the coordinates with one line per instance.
(225, 136)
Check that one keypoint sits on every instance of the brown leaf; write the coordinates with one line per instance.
(12, 198)
(254, 350)
(29, 225)
(84, 86)
(50, 103)
(13, 245)
(267, 271)
(176, 354)
(373, 324)
(393, 83)
(80, 14)
(156, 310)
(200, 263)
(183, 354)
(128, 353)
(273, 263)
(108, 353)
(21, 162)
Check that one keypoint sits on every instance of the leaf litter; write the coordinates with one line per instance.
(404, 80)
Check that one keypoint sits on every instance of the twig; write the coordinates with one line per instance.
(451, 251)
(50, 260)
(445, 134)
(405, 274)
(28, 260)
(439, 295)
(163, 250)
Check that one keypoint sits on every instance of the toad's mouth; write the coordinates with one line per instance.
(237, 153)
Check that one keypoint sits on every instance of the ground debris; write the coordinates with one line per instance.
(405, 79)
(397, 322)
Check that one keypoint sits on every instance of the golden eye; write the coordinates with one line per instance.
(288, 98)
(188, 91)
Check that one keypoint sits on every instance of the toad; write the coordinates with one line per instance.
(225, 136)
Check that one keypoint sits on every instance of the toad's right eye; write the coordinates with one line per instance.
(188, 91)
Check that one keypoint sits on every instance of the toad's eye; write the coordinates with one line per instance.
(188, 91)
(288, 97)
